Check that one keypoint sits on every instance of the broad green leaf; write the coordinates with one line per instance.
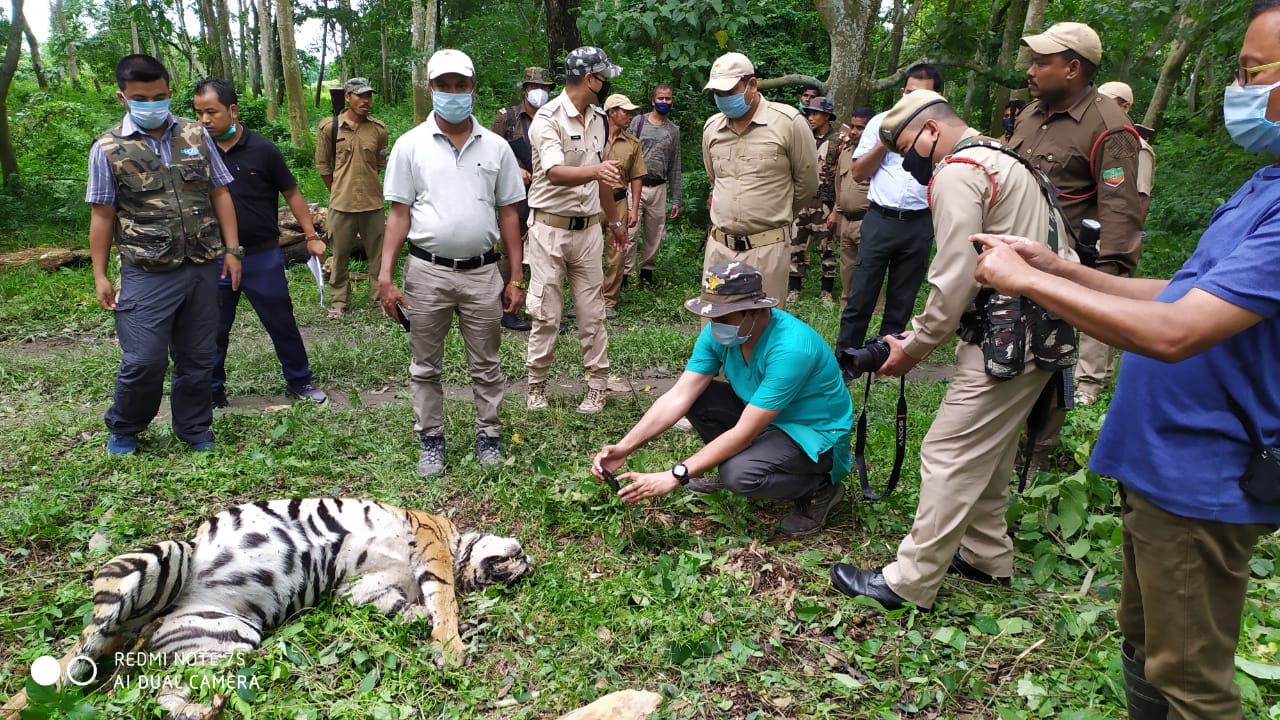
(1260, 670)
(369, 681)
(846, 680)
(986, 625)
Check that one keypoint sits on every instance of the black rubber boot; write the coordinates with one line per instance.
(795, 282)
(828, 284)
(646, 278)
(1145, 701)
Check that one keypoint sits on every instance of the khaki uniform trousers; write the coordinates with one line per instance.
(1094, 365)
(617, 264)
(1185, 582)
(773, 262)
(435, 294)
(555, 255)
(850, 238)
(343, 228)
(966, 465)
(653, 222)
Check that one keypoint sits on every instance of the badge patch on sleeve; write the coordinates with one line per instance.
(1113, 177)
(191, 152)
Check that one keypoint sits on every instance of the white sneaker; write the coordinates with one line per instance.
(537, 396)
(593, 402)
(1084, 398)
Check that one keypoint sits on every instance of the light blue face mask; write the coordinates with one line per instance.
(727, 335)
(733, 106)
(149, 115)
(453, 107)
(1244, 111)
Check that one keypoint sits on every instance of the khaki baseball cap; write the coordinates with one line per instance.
(727, 70)
(901, 114)
(618, 100)
(1065, 36)
(1117, 90)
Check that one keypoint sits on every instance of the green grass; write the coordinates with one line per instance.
(696, 598)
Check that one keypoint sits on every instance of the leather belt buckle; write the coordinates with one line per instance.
(577, 223)
(741, 243)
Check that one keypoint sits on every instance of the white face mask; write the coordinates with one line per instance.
(537, 97)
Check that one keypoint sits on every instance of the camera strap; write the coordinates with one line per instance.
(900, 442)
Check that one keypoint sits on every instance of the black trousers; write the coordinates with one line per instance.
(773, 466)
(899, 248)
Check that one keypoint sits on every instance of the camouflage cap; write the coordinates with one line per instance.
(536, 76)
(589, 60)
(357, 86)
(729, 287)
(822, 105)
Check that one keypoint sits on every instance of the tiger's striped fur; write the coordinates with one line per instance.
(252, 566)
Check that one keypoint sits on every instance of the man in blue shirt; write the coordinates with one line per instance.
(1197, 399)
(778, 428)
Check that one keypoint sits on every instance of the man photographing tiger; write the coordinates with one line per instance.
(777, 425)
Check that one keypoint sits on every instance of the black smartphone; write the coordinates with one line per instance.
(402, 317)
(610, 478)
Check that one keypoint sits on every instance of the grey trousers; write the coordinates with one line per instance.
(773, 466)
(159, 314)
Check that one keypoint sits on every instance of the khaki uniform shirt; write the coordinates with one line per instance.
(964, 201)
(627, 151)
(851, 195)
(1060, 144)
(560, 135)
(1146, 169)
(752, 175)
(354, 163)
(519, 125)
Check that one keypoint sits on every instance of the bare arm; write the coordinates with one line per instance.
(225, 211)
(393, 238)
(298, 206)
(570, 176)
(513, 251)
(102, 220)
(1166, 331)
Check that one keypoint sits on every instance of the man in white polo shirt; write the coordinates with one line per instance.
(897, 232)
(443, 180)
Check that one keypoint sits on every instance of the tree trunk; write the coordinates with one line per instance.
(902, 20)
(562, 30)
(1194, 82)
(324, 48)
(267, 54)
(212, 53)
(179, 12)
(8, 158)
(387, 90)
(63, 28)
(979, 55)
(1014, 20)
(343, 48)
(1192, 27)
(133, 29)
(299, 131)
(849, 24)
(245, 69)
(1034, 23)
(425, 13)
(230, 68)
(36, 64)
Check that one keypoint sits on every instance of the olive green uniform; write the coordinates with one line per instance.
(811, 223)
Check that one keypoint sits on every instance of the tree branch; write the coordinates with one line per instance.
(791, 79)
(983, 70)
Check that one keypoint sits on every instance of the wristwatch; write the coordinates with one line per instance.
(681, 473)
(614, 225)
(520, 284)
(238, 251)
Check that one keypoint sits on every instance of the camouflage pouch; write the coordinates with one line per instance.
(1053, 340)
(1004, 344)
(973, 321)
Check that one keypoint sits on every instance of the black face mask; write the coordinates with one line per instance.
(920, 167)
(603, 93)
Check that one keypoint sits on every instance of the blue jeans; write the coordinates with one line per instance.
(262, 280)
(159, 314)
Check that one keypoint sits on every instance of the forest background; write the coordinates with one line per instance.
(693, 598)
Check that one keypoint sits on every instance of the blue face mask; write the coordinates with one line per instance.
(149, 115)
(727, 335)
(662, 108)
(1244, 111)
(227, 135)
(453, 107)
(733, 106)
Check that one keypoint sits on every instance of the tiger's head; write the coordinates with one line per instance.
(483, 560)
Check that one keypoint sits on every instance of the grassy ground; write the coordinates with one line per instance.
(696, 598)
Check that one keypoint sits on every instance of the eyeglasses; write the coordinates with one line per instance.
(1245, 75)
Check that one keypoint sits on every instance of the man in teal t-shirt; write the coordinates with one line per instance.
(777, 426)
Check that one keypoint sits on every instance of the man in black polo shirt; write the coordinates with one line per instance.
(260, 177)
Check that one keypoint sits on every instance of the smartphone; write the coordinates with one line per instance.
(402, 317)
(610, 478)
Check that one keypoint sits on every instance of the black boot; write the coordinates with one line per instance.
(1145, 701)
(515, 322)
(646, 278)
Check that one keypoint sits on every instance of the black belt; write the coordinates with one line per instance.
(619, 193)
(900, 215)
(652, 182)
(470, 263)
(854, 215)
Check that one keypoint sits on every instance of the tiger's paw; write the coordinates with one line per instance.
(450, 654)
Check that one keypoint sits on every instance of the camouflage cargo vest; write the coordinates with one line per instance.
(163, 214)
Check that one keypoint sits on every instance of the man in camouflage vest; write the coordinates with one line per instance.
(811, 223)
(157, 186)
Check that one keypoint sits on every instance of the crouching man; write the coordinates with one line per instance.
(777, 426)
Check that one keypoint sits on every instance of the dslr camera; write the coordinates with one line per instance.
(868, 358)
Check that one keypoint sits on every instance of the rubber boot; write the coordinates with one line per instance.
(1145, 701)
(646, 278)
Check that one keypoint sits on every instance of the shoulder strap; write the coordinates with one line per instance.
(899, 446)
(640, 127)
(1046, 186)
